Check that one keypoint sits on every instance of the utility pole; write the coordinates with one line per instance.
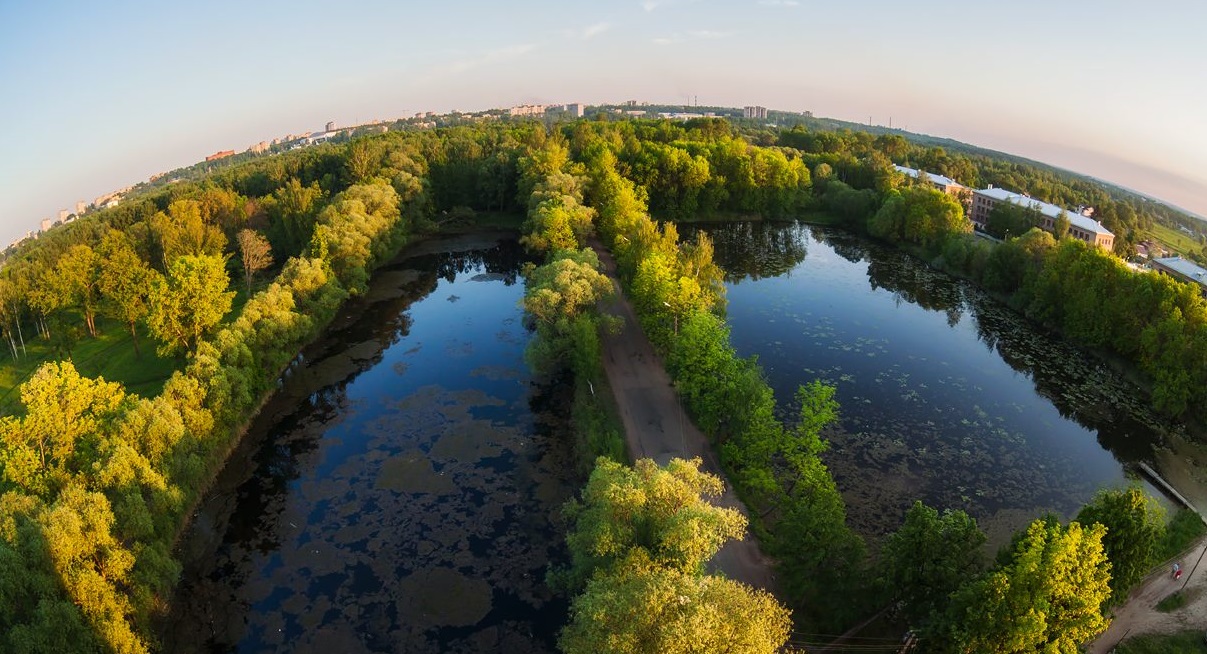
(1196, 567)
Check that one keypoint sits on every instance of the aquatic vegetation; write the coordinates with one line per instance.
(984, 401)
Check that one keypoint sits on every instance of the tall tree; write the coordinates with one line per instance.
(672, 612)
(1134, 527)
(929, 558)
(254, 252)
(291, 215)
(182, 231)
(189, 302)
(77, 278)
(1062, 225)
(65, 418)
(1047, 598)
(125, 282)
(660, 511)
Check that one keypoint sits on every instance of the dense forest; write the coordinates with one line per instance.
(232, 273)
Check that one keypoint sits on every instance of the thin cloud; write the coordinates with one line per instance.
(651, 5)
(593, 30)
(490, 56)
(694, 35)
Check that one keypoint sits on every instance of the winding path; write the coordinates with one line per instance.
(656, 427)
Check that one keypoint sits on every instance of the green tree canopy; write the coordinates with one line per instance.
(189, 302)
(929, 558)
(1009, 220)
(1135, 525)
(66, 416)
(126, 282)
(1047, 598)
(182, 231)
(658, 510)
(919, 214)
(647, 608)
(557, 292)
(76, 278)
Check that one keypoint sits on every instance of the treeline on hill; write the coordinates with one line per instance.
(1126, 213)
(96, 483)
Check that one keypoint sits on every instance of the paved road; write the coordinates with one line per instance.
(657, 428)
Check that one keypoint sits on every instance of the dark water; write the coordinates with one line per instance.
(396, 495)
(946, 395)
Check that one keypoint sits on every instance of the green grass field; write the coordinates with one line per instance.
(1173, 239)
(109, 355)
(1187, 642)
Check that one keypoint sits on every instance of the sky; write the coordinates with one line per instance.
(97, 96)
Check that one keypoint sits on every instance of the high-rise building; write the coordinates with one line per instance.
(575, 110)
(330, 126)
(79, 207)
(756, 112)
(45, 224)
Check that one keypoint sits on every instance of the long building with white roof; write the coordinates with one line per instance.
(1081, 227)
(1183, 269)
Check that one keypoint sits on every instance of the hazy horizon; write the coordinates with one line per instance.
(104, 97)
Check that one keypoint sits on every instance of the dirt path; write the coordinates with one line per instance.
(656, 426)
(1139, 615)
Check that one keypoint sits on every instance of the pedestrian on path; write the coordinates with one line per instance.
(1177, 571)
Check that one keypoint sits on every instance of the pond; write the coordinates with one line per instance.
(396, 494)
(947, 396)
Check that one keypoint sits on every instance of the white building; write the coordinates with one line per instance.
(1081, 227)
(527, 110)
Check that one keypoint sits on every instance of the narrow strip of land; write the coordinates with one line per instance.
(657, 428)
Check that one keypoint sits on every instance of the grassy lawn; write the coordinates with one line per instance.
(1184, 528)
(1187, 642)
(1173, 239)
(1174, 601)
(109, 355)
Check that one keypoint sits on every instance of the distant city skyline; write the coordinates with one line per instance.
(99, 97)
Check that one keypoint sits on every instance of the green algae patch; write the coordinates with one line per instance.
(390, 284)
(469, 443)
(412, 472)
(443, 597)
